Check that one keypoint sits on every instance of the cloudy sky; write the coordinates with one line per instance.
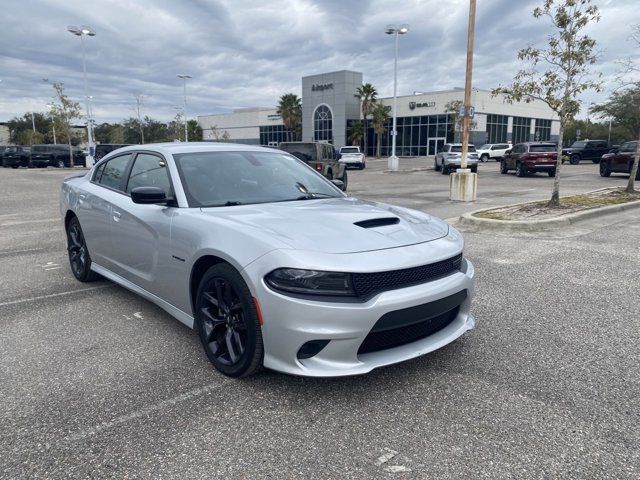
(245, 53)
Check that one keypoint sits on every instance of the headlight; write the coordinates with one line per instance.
(311, 282)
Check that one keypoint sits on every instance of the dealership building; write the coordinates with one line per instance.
(329, 107)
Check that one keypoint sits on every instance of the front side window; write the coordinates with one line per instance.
(216, 179)
(113, 172)
(579, 144)
(149, 171)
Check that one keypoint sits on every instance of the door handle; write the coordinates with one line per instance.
(116, 215)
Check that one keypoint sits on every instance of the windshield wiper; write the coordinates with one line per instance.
(314, 195)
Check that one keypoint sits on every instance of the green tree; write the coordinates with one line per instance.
(368, 95)
(356, 132)
(64, 111)
(21, 129)
(194, 130)
(290, 110)
(176, 128)
(568, 58)
(380, 117)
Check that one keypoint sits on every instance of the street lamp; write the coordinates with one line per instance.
(84, 31)
(392, 164)
(184, 77)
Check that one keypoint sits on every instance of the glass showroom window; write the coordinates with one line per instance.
(497, 128)
(543, 130)
(323, 124)
(521, 129)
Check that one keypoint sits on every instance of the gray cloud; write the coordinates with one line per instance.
(245, 53)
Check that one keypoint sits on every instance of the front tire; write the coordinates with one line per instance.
(503, 168)
(436, 167)
(484, 158)
(605, 170)
(520, 170)
(227, 322)
(445, 169)
(574, 159)
(60, 164)
(79, 257)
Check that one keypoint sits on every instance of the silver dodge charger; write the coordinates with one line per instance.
(270, 262)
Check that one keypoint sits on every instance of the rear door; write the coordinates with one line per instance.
(96, 204)
(140, 234)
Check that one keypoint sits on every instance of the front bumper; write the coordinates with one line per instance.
(290, 322)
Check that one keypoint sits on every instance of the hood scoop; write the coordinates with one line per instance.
(378, 222)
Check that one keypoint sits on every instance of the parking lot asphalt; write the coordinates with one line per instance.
(97, 382)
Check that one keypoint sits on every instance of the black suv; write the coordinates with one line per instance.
(586, 150)
(104, 148)
(56, 156)
(17, 156)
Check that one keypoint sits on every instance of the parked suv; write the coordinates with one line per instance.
(56, 156)
(17, 156)
(620, 161)
(586, 150)
(493, 151)
(104, 148)
(352, 157)
(530, 157)
(320, 156)
(449, 156)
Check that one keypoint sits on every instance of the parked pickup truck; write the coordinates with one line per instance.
(586, 150)
(530, 157)
(352, 157)
(620, 161)
(320, 156)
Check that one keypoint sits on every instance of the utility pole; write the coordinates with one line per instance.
(463, 183)
(139, 98)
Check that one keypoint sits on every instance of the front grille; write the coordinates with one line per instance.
(368, 284)
(412, 324)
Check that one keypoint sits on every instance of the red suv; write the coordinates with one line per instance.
(620, 161)
(530, 157)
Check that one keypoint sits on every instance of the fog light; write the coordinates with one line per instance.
(311, 349)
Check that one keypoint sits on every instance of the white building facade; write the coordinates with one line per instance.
(329, 107)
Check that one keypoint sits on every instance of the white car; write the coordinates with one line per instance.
(493, 151)
(268, 260)
(449, 157)
(352, 157)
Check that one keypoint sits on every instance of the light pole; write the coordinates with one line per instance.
(184, 77)
(392, 163)
(81, 32)
(53, 123)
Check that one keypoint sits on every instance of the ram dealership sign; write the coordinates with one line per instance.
(414, 105)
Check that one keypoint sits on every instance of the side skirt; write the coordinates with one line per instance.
(123, 282)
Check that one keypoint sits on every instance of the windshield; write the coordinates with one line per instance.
(304, 151)
(215, 179)
(542, 148)
(485, 147)
(458, 148)
(349, 150)
(578, 144)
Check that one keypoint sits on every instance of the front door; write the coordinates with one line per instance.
(434, 145)
(140, 234)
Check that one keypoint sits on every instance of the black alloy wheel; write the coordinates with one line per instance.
(520, 170)
(227, 322)
(605, 171)
(574, 159)
(79, 257)
(503, 168)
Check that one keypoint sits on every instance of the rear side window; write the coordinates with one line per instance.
(149, 171)
(98, 173)
(113, 172)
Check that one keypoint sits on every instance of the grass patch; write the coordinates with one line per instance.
(572, 204)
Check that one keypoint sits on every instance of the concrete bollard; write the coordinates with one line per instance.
(463, 185)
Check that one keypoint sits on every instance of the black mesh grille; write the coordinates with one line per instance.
(382, 340)
(368, 284)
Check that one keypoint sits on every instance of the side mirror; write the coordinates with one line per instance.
(338, 183)
(148, 195)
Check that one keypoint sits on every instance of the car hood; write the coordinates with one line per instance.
(337, 225)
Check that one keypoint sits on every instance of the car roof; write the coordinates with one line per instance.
(191, 147)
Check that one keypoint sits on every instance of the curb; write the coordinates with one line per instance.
(467, 219)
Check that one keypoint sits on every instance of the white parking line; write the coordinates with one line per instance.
(53, 295)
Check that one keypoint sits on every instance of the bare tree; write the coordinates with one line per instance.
(568, 59)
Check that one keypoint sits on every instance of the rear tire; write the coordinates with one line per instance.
(329, 174)
(552, 173)
(79, 257)
(60, 163)
(605, 170)
(345, 180)
(445, 169)
(520, 170)
(227, 322)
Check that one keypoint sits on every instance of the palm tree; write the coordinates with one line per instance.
(356, 132)
(290, 110)
(367, 94)
(380, 116)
